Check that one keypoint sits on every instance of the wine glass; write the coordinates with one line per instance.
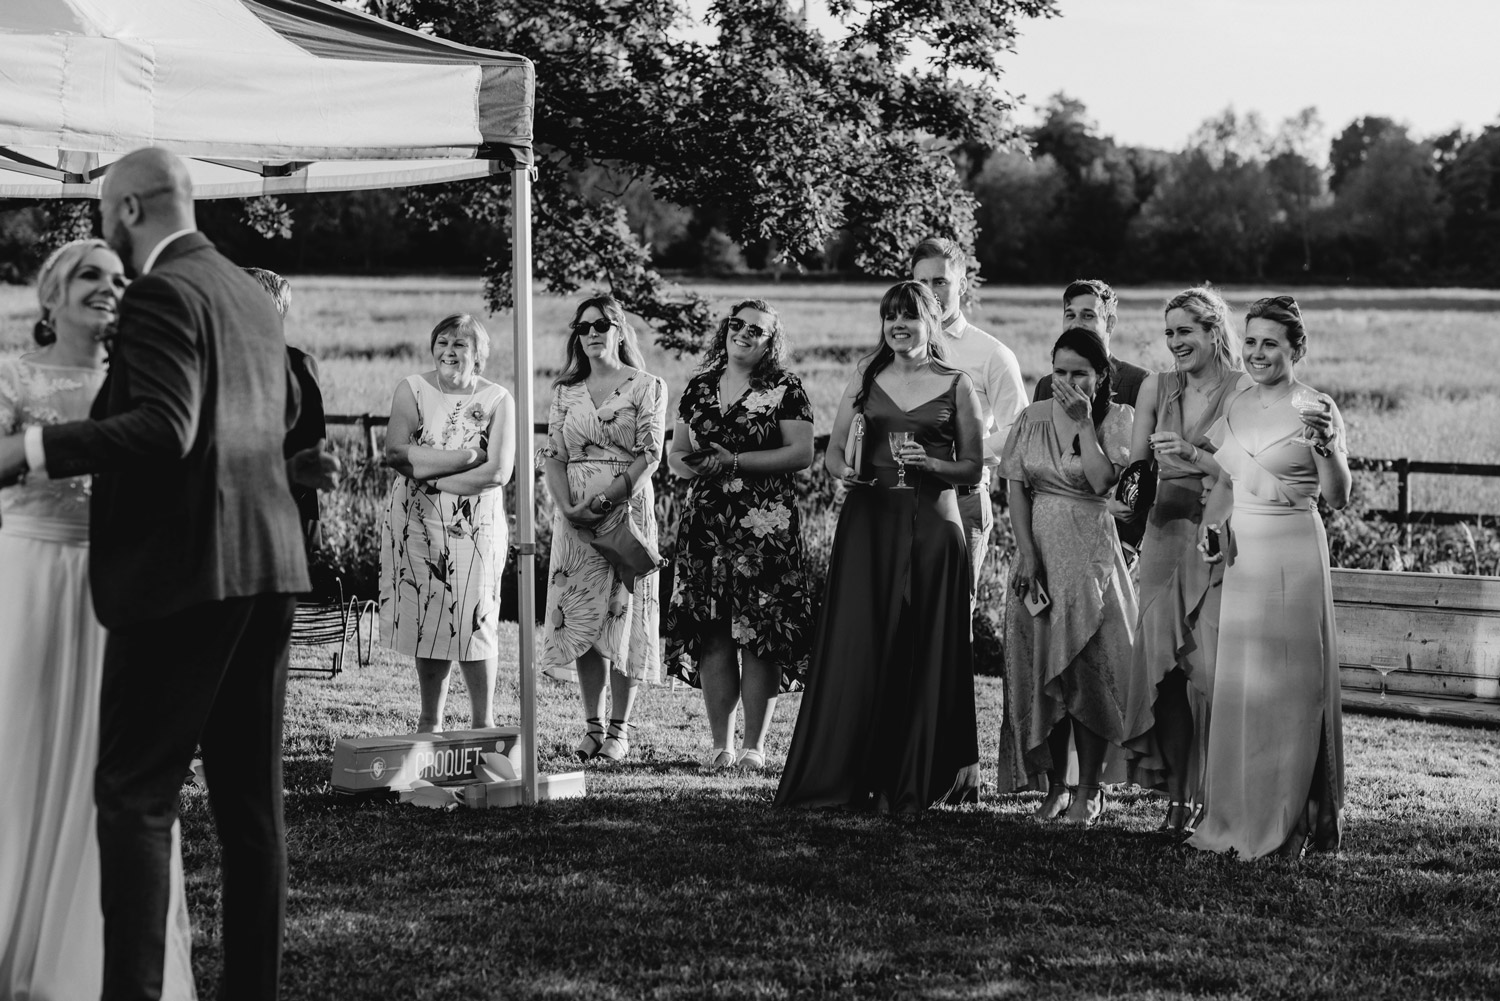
(898, 440)
(1308, 402)
(1385, 664)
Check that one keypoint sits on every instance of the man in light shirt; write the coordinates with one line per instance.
(943, 266)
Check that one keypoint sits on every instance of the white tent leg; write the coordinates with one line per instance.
(525, 474)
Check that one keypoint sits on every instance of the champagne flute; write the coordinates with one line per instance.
(898, 440)
(1385, 665)
(1308, 402)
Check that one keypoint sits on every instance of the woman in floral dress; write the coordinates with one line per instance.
(739, 621)
(452, 436)
(605, 433)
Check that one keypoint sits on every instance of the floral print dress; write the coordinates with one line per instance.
(739, 551)
(587, 605)
(441, 554)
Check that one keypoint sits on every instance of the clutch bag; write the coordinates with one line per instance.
(626, 549)
(854, 445)
(1137, 487)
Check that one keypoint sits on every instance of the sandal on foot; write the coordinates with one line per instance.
(1087, 806)
(1058, 799)
(592, 742)
(1180, 817)
(750, 758)
(616, 741)
(719, 759)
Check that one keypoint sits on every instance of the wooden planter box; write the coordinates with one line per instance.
(1441, 632)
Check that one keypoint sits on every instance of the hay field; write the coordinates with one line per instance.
(1415, 369)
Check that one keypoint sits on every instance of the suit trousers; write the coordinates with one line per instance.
(213, 675)
(977, 511)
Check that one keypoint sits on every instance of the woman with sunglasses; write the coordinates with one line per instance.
(887, 723)
(1069, 622)
(605, 432)
(739, 621)
(1275, 770)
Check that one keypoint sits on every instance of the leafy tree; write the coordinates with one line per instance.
(1019, 229)
(1352, 146)
(1471, 184)
(783, 136)
(1295, 176)
(1392, 202)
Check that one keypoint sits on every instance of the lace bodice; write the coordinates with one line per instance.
(36, 393)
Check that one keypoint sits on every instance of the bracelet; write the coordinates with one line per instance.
(1195, 454)
(734, 470)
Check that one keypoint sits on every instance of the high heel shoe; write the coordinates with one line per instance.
(1059, 798)
(616, 741)
(592, 742)
(1087, 807)
(1181, 817)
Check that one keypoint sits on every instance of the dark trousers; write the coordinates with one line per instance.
(213, 674)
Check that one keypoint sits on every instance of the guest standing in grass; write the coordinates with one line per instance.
(452, 437)
(605, 433)
(1177, 636)
(1275, 776)
(887, 723)
(1067, 682)
(738, 625)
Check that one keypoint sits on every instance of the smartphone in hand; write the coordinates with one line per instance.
(1037, 601)
(697, 455)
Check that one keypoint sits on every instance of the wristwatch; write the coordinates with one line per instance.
(605, 504)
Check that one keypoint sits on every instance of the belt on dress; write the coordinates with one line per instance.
(965, 489)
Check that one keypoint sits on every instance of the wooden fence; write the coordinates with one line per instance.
(1403, 469)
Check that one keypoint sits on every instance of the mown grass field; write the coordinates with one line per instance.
(667, 883)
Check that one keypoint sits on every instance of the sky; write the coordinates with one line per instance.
(1149, 71)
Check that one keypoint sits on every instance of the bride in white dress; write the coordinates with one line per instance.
(51, 654)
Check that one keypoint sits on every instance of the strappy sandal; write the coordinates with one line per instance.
(592, 742)
(1181, 817)
(1058, 799)
(750, 758)
(616, 741)
(718, 760)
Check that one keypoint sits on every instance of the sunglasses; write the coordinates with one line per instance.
(736, 325)
(599, 326)
(1279, 301)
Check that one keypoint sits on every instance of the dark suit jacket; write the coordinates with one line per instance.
(311, 427)
(190, 501)
(1127, 383)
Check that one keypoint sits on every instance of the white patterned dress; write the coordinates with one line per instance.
(587, 605)
(441, 554)
(51, 660)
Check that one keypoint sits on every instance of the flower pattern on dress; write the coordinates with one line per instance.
(32, 393)
(739, 555)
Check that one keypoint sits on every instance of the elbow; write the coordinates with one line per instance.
(804, 456)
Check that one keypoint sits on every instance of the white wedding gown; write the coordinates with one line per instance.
(51, 655)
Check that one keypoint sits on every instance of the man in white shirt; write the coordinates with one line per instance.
(943, 266)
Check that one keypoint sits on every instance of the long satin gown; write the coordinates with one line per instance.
(1275, 772)
(51, 660)
(888, 718)
(1179, 596)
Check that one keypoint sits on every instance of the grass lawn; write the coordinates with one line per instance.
(667, 883)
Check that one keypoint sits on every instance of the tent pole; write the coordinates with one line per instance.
(525, 474)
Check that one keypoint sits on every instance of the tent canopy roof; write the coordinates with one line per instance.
(267, 96)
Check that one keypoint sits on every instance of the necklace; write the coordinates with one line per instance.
(1267, 406)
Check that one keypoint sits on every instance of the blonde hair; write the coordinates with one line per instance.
(463, 323)
(56, 271)
(1208, 308)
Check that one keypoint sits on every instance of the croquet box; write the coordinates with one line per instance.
(376, 764)
(492, 795)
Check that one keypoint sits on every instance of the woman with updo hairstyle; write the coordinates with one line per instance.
(1177, 637)
(1067, 663)
(1274, 782)
(52, 660)
(452, 437)
(739, 623)
(605, 432)
(887, 723)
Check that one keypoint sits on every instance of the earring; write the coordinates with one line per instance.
(43, 332)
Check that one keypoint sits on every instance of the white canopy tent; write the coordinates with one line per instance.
(276, 97)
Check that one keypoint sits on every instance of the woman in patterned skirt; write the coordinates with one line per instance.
(452, 436)
(605, 433)
(738, 624)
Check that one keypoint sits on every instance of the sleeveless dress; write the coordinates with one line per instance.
(51, 659)
(1275, 768)
(888, 716)
(441, 554)
(1179, 595)
(588, 607)
(739, 548)
(1074, 658)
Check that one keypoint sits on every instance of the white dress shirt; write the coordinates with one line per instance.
(997, 381)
